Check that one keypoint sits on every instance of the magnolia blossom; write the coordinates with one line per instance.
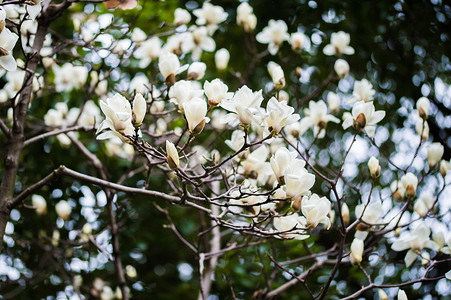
(356, 251)
(169, 66)
(294, 224)
(195, 112)
(198, 40)
(364, 116)
(339, 44)
(423, 106)
(374, 167)
(139, 110)
(7, 42)
(415, 241)
(279, 114)
(444, 167)
(408, 184)
(274, 35)
(298, 181)
(333, 102)
(254, 204)
(34, 9)
(245, 16)
(363, 91)
(69, 77)
(183, 91)
(216, 91)
(422, 128)
(317, 116)
(63, 209)
(424, 203)
(345, 213)
(402, 295)
(210, 15)
(281, 159)
(434, 154)
(172, 155)
(316, 210)
(236, 142)
(39, 204)
(244, 106)
(341, 67)
(370, 214)
(297, 41)
(139, 84)
(196, 70)
(148, 51)
(382, 295)
(181, 16)
(277, 75)
(222, 57)
(138, 35)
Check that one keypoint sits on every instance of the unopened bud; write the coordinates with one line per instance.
(382, 295)
(172, 155)
(345, 214)
(397, 231)
(296, 204)
(170, 80)
(360, 122)
(410, 191)
(298, 72)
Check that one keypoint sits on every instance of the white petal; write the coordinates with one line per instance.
(410, 258)
(329, 50)
(8, 62)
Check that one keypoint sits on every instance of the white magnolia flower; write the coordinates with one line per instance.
(201, 41)
(277, 75)
(402, 295)
(408, 185)
(139, 84)
(297, 41)
(382, 295)
(255, 204)
(364, 116)
(279, 114)
(375, 168)
(292, 224)
(339, 44)
(298, 181)
(69, 77)
(34, 9)
(39, 204)
(181, 16)
(139, 110)
(148, 51)
(281, 159)
(172, 155)
(444, 167)
(183, 91)
(423, 106)
(370, 215)
(256, 161)
(236, 141)
(216, 91)
(244, 106)
(196, 70)
(169, 66)
(7, 42)
(333, 102)
(138, 35)
(63, 209)
(356, 251)
(274, 35)
(363, 91)
(424, 203)
(210, 15)
(416, 240)
(195, 111)
(316, 210)
(222, 57)
(245, 17)
(345, 213)
(317, 116)
(341, 67)
(422, 128)
(434, 153)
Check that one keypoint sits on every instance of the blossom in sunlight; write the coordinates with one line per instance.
(415, 241)
(222, 57)
(422, 128)
(172, 155)
(139, 110)
(181, 16)
(298, 181)
(374, 167)
(297, 41)
(195, 111)
(196, 70)
(245, 17)
(39, 204)
(364, 116)
(341, 67)
(293, 224)
(216, 91)
(63, 209)
(183, 91)
(423, 106)
(370, 215)
(434, 154)
(210, 15)
(316, 115)
(356, 251)
(280, 161)
(34, 9)
(316, 210)
(148, 51)
(274, 35)
(277, 75)
(408, 185)
(197, 40)
(424, 203)
(236, 141)
(279, 114)
(333, 102)
(255, 162)
(363, 91)
(244, 106)
(69, 77)
(8, 40)
(169, 66)
(339, 44)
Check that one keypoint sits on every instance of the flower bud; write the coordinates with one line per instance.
(39, 204)
(434, 154)
(397, 231)
(382, 295)
(131, 271)
(222, 57)
(345, 213)
(63, 209)
(425, 258)
(195, 111)
(341, 67)
(298, 72)
(196, 70)
(181, 16)
(360, 122)
(422, 129)
(139, 110)
(172, 155)
(55, 237)
(297, 41)
(333, 102)
(277, 75)
(402, 295)
(423, 106)
(356, 251)
(215, 156)
(296, 204)
(444, 167)
(375, 168)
